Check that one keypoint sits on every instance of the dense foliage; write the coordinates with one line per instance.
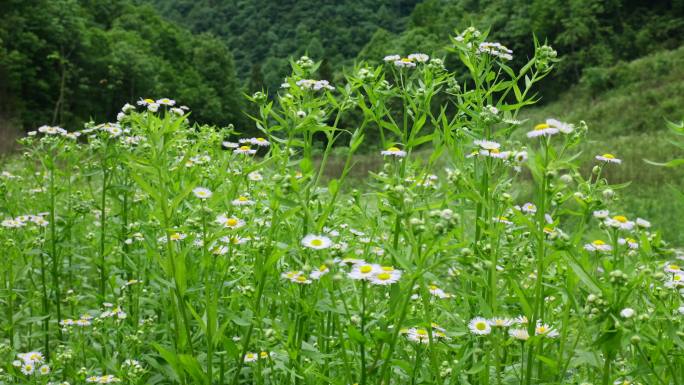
(153, 251)
(265, 34)
(586, 33)
(66, 61)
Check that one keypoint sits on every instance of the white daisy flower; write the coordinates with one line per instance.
(242, 201)
(601, 214)
(565, 128)
(419, 335)
(394, 151)
(202, 193)
(598, 245)
(44, 370)
(317, 242)
(28, 368)
(153, 107)
(619, 221)
(519, 334)
(261, 142)
(630, 242)
(642, 223)
(479, 326)
(391, 58)
(419, 57)
(437, 292)
(227, 144)
(672, 268)
(404, 63)
(545, 330)
(230, 222)
(500, 322)
(251, 357)
(244, 150)
(487, 144)
(529, 208)
(321, 271)
(255, 176)
(364, 271)
(166, 102)
(608, 158)
(386, 276)
(542, 129)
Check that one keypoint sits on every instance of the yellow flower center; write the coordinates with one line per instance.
(598, 242)
(231, 222)
(620, 218)
(495, 151)
(301, 278)
(406, 60)
(263, 355)
(481, 326)
(260, 139)
(609, 156)
(316, 242)
(175, 236)
(421, 332)
(541, 329)
(244, 148)
(323, 268)
(393, 149)
(674, 267)
(433, 287)
(384, 276)
(541, 126)
(677, 277)
(149, 100)
(243, 198)
(365, 269)
(388, 268)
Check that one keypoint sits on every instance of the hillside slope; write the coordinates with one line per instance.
(625, 107)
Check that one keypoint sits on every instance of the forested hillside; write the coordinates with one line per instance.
(66, 61)
(264, 34)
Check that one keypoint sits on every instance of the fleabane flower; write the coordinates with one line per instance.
(166, 102)
(242, 201)
(608, 158)
(245, 150)
(601, 214)
(317, 242)
(598, 245)
(404, 63)
(542, 129)
(519, 334)
(419, 335)
(394, 151)
(545, 330)
(642, 223)
(479, 326)
(487, 144)
(386, 275)
(364, 271)
(419, 57)
(391, 58)
(500, 322)
(620, 222)
(437, 292)
(320, 272)
(202, 193)
(297, 277)
(230, 222)
(630, 242)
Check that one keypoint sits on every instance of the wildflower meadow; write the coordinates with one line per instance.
(157, 250)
